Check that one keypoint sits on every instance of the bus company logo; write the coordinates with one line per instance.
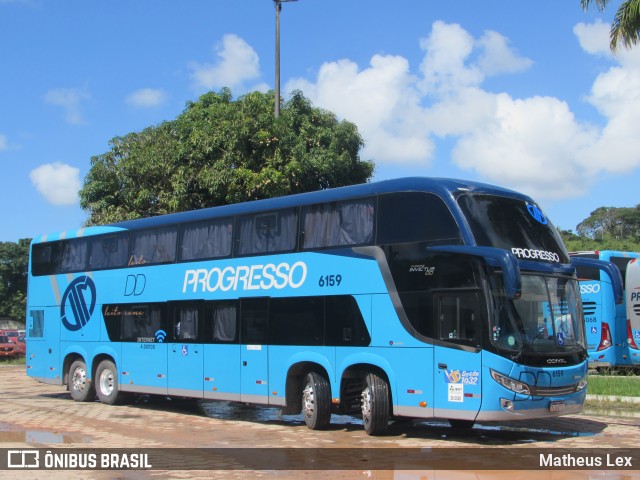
(78, 303)
(536, 213)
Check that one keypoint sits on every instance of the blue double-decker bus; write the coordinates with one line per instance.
(413, 298)
(612, 343)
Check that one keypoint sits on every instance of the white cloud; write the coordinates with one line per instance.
(3, 142)
(397, 112)
(70, 100)
(593, 37)
(147, 98)
(238, 63)
(381, 100)
(497, 57)
(531, 144)
(59, 183)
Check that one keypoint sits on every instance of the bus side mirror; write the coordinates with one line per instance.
(609, 268)
(495, 257)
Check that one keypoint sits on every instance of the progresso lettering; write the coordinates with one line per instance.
(531, 254)
(245, 277)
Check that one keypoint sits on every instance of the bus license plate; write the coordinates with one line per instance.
(556, 406)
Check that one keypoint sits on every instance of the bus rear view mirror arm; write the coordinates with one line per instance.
(495, 257)
(609, 268)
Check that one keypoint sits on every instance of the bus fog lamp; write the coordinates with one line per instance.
(582, 384)
(510, 383)
(507, 404)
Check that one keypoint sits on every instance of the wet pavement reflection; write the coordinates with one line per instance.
(34, 415)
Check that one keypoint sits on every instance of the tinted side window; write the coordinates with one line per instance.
(344, 323)
(338, 223)
(186, 317)
(211, 239)
(268, 232)
(587, 273)
(415, 216)
(73, 256)
(458, 316)
(419, 309)
(36, 325)
(296, 321)
(253, 320)
(153, 246)
(108, 251)
(223, 322)
(145, 323)
(621, 263)
(45, 258)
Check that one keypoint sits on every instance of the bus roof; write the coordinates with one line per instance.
(445, 187)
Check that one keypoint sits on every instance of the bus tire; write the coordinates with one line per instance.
(107, 383)
(316, 401)
(375, 405)
(80, 387)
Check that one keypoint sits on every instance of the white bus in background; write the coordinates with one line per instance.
(633, 303)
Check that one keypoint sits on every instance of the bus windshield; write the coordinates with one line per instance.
(513, 224)
(545, 319)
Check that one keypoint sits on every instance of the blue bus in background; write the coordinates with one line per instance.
(413, 297)
(611, 341)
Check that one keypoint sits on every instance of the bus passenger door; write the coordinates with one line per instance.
(458, 357)
(254, 315)
(186, 353)
(222, 351)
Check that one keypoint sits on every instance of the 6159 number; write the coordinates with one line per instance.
(330, 280)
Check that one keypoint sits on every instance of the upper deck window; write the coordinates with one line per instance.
(210, 239)
(338, 223)
(415, 217)
(267, 232)
(108, 251)
(154, 246)
(513, 224)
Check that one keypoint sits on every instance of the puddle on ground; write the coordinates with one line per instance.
(252, 413)
(437, 427)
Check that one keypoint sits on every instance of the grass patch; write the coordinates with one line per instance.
(12, 360)
(619, 386)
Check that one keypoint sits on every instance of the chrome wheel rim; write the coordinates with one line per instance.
(79, 379)
(308, 401)
(106, 382)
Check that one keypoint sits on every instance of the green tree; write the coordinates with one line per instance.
(14, 260)
(619, 223)
(221, 151)
(625, 27)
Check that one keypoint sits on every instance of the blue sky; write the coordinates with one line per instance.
(525, 96)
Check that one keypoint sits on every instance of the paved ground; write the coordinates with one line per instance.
(34, 415)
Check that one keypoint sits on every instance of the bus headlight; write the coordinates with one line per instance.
(582, 384)
(510, 383)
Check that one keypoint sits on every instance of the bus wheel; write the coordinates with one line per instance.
(375, 405)
(107, 382)
(80, 387)
(316, 401)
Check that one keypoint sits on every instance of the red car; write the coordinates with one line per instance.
(17, 339)
(7, 347)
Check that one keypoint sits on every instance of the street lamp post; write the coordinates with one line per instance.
(278, 5)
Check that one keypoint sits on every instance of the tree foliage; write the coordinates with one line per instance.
(221, 151)
(14, 260)
(625, 27)
(607, 228)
